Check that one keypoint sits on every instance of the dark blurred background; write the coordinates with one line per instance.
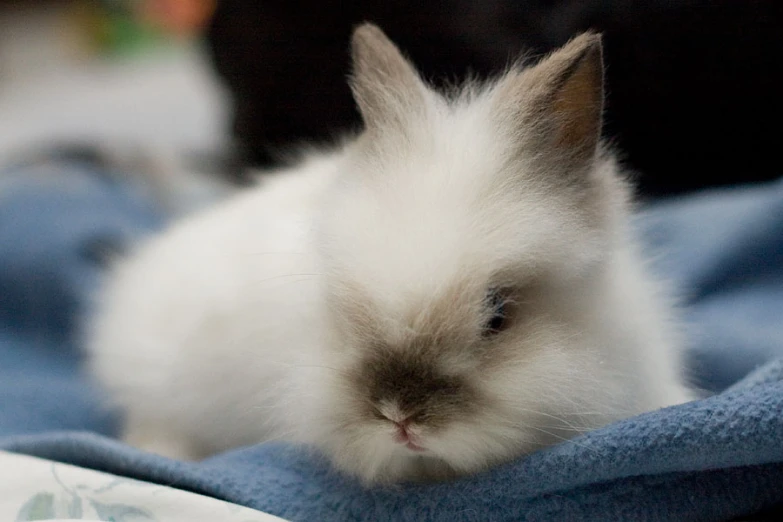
(694, 87)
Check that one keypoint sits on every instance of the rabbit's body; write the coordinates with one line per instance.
(453, 288)
(188, 316)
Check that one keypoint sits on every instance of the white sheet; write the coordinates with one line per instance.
(38, 489)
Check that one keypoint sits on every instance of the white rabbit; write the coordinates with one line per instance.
(454, 287)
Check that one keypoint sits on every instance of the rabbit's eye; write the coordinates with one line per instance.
(499, 317)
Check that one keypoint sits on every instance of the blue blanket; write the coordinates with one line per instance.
(712, 459)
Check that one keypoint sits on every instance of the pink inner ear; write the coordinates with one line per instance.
(559, 101)
(578, 104)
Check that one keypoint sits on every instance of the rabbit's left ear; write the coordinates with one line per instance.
(386, 87)
(557, 105)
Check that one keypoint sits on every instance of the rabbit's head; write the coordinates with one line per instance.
(462, 244)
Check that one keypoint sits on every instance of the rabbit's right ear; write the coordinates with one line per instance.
(386, 87)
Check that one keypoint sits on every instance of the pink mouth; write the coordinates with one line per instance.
(403, 437)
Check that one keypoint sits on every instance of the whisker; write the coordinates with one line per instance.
(575, 429)
(576, 413)
(564, 439)
(565, 421)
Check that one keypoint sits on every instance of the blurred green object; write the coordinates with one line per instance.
(114, 27)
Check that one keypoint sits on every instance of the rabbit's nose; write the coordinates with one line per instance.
(402, 434)
(402, 430)
(405, 437)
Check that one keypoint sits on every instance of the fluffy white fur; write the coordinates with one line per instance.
(251, 321)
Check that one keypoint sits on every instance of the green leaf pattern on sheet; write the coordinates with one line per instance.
(39, 507)
(36, 489)
(120, 512)
(69, 502)
(47, 506)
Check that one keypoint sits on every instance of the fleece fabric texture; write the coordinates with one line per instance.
(712, 459)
